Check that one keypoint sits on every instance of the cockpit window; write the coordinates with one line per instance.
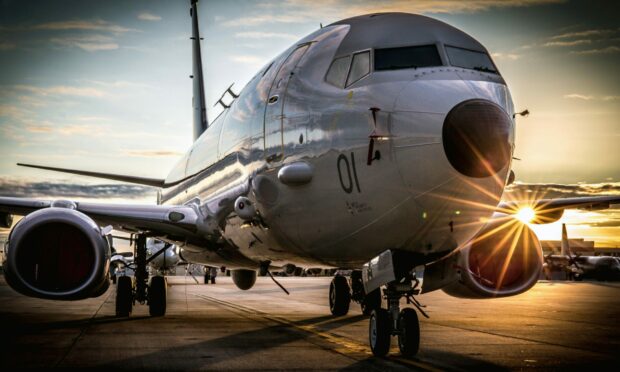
(471, 59)
(337, 73)
(360, 67)
(407, 57)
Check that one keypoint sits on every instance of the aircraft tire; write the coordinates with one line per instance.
(157, 296)
(124, 296)
(379, 334)
(207, 278)
(371, 301)
(339, 296)
(409, 336)
(114, 279)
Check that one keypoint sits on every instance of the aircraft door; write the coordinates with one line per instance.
(274, 141)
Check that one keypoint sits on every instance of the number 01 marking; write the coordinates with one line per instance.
(347, 181)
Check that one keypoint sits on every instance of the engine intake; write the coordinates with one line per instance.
(59, 254)
(504, 259)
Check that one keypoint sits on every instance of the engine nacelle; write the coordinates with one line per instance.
(58, 254)
(504, 259)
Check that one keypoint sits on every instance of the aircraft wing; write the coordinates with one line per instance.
(551, 205)
(194, 219)
(159, 219)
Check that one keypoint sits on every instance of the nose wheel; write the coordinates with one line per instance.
(409, 332)
(339, 296)
(379, 332)
(157, 296)
(124, 296)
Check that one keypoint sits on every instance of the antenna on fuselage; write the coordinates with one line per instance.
(198, 98)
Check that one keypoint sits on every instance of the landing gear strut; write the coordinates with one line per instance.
(394, 322)
(368, 301)
(129, 291)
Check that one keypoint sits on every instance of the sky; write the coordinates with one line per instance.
(104, 85)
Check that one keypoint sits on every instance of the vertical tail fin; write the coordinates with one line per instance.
(565, 247)
(198, 99)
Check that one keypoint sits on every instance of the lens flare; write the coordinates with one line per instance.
(525, 215)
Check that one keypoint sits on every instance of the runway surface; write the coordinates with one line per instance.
(556, 325)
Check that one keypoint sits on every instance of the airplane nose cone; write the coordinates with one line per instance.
(476, 138)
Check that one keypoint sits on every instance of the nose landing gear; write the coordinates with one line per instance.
(394, 322)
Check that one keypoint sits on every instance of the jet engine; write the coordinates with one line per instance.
(244, 279)
(58, 254)
(504, 259)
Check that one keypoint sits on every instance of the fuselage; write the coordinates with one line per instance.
(409, 84)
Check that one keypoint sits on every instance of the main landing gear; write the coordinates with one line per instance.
(129, 291)
(395, 322)
(341, 294)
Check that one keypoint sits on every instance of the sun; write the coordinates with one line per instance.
(525, 215)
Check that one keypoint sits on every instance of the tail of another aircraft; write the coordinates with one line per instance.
(198, 99)
(565, 247)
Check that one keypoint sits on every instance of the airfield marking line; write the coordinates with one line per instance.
(346, 346)
(82, 331)
(516, 338)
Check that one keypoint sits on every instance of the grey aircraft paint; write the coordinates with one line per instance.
(410, 199)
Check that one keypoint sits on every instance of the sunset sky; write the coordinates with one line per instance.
(103, 85)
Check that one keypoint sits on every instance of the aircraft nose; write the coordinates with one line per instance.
(476, 138)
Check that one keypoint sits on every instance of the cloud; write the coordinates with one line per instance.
(62, 90)
(152, 153)
(556, 190)
(256, 20)
(20, 188)
(4, 45)
(568, 43)
(39, 129)
(506, 56)
(249, 59)
(265, 35)
(13, 112)
(91, 43)
(70, 130)
(119, 84)
(607, 50)
(586, 33)
(146, 16)
(614, 222)
(95, 25)
(579, 96)
(303, 11)
(590, 98)
(610, 98)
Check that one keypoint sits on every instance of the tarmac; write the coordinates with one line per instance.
(555, 325)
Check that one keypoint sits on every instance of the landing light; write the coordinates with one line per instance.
(525, 215)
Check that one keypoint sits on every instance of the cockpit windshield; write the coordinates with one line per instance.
(471, 59)
(407, 57)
